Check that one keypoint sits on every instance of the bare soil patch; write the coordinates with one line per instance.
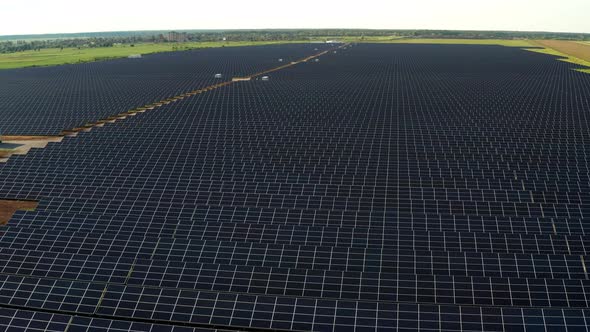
(26, 144)
(9, 207)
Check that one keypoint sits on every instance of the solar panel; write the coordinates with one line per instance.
(24, 320)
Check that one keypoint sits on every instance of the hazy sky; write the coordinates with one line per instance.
(55, 16)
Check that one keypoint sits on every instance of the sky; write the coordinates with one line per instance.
(68, 16)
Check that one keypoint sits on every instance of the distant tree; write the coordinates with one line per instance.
(132, 38)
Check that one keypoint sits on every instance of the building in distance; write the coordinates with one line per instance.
(178, 37)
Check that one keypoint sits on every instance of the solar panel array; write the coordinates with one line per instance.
(384, 187)
(47, 100)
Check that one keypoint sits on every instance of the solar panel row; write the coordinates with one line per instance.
(23, 320)
(283, 313)
(307, 217)
(326, 237)
(334, 284)
(407, 262)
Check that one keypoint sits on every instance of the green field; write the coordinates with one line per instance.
(372, 39)
(403, 40)
(53, 56)
(502, 42)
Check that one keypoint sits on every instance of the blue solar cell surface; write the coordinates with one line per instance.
(384, 187)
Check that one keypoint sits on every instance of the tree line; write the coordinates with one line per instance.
(9, 44)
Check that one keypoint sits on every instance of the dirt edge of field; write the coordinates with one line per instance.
(571, 48)
(26, 143)
(550, 47)
(9, 207)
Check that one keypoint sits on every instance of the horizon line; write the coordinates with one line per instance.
(287, 29)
